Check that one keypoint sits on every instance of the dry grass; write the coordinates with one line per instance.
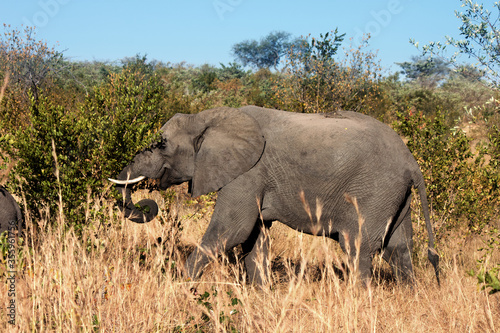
(120, 278)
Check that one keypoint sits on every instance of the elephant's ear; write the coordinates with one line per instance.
(230, 144)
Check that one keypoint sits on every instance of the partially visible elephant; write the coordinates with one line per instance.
(264, 163)
(10, 213)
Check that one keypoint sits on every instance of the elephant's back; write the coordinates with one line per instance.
(339, 126)
(332, 138)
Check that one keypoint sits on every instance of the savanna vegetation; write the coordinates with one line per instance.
(66, 126)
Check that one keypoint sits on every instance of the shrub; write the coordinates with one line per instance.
(461, 186)
(32, 66)
(64, 156)
(313, 81)
(259, 89)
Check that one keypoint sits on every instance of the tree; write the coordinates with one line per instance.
(427, 72)
(204, 80)
(265, 53)
(321, 49)
(312, 80)
(139, 64)
(469, 73)
(231, 71)
(30, 62)
(481, 32)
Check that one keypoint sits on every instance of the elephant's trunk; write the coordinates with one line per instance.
(148, 209)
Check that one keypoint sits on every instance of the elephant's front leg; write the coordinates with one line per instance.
(234, 218)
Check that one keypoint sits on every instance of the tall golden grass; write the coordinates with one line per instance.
(124, 277)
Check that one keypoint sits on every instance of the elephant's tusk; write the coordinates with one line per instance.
(127, 182)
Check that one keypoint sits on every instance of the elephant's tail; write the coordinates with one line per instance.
(431, 251)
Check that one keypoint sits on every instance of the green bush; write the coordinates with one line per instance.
(463, 189)
(65, 156)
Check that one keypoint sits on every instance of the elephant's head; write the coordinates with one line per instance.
(209, 149)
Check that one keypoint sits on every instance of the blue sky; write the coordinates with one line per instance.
(204, 31)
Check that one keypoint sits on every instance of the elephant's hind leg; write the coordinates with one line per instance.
(256, 252)
(398, 251)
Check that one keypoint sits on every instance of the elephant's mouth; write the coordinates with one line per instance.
(170, 177)
(164, 180)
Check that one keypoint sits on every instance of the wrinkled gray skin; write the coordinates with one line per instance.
(10, 213)
(261, 160)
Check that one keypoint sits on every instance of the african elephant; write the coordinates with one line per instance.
(263, 161)
(10, 213)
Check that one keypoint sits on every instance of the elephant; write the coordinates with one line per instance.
(265, 163)
(10, 213)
